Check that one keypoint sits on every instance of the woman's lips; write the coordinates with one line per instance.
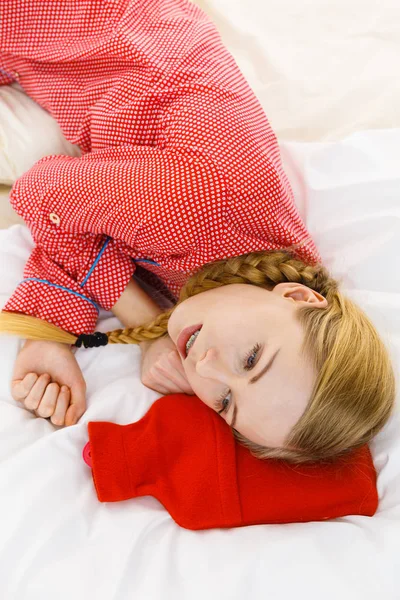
(183, 338)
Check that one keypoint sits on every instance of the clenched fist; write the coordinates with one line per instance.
(161, 367)
(48, 381)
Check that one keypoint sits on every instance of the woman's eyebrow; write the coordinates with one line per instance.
(265, 369)
(253, 380)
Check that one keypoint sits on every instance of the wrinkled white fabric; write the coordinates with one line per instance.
(321, 69)
(58, 541)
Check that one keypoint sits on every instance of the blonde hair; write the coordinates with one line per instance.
(354, 391)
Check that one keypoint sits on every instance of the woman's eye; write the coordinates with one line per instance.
(252, 353)
(224, 402)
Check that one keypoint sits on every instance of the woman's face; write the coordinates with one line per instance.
(248, 326)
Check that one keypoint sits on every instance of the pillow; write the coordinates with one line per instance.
(27, 134)
(321, 70)
(183, 453)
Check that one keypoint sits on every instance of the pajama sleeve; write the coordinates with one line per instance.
(85, 215)
(76, 268)
(68, 286)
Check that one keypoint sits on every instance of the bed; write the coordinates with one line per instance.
(56, 539)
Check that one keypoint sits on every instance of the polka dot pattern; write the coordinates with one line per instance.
(179, 164)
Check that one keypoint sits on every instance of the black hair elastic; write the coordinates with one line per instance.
(92, 340)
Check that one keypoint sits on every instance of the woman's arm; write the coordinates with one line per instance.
(134, 307)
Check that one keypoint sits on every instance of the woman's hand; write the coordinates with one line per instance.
(41, 369)
(161, 368)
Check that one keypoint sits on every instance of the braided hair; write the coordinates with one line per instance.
(354, 392)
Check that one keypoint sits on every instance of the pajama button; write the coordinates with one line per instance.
(55, 218)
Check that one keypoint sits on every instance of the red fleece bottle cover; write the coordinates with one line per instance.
(184, 454)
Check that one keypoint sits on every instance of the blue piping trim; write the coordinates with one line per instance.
(61, 288)
(95, 262)
(152, 262)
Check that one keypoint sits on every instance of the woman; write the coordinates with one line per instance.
(181, 172)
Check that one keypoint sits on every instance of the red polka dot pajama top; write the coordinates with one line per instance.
(179, 164)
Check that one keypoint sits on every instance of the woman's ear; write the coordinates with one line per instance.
(300, 293)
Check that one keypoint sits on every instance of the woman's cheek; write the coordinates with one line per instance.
(200, 393)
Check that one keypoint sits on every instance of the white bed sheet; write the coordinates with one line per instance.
(57, 540)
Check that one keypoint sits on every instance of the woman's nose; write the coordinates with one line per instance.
(209, 365)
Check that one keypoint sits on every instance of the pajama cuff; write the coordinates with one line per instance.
(109, 274)
(66, 303)
(56, 304)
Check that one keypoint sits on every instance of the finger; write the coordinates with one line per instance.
(163, 377)
(163, 383)
(157, 388)
(63, 401)
(183, 381)
(48, 402)
(77, 405)
(20, 388)
(175, 361)
(177, 364)
(153, 380)
(176, 381)
(35, 395)
(173, 370)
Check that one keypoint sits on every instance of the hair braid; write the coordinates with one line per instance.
(354, 392)
(260, 268)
